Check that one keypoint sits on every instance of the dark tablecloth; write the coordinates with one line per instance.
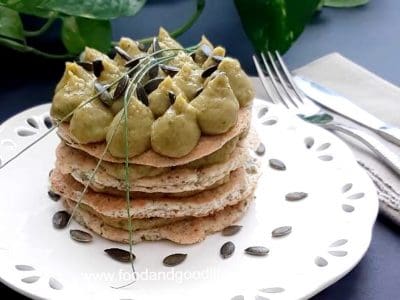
(367, 35)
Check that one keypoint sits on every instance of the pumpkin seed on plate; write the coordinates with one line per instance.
(174, 259)
(80, 236)
(120, 255)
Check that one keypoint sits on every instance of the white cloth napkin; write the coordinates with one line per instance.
(375, 95)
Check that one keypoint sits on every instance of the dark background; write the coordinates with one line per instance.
(368, 35)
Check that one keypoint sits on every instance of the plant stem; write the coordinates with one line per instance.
(49, 55)
(28, 49)
(185, 27)
(44, 28)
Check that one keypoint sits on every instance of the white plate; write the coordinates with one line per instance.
(331, 228)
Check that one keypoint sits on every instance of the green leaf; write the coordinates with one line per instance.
(345, 3)
(29, 7)
(318, 119)
(94, 9)
(76, 33)
(275, 24)
(10, 24)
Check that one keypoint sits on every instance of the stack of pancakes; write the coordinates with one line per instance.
(177, 200)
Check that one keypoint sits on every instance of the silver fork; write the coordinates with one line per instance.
(282, 90)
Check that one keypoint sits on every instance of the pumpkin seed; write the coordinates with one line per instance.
(53, 195)
(80, 236)
(257, 250)
(153, 71)
(120, 255)
(152, 84)
(104, 96)
(277, 164)
(141, 94)
(231, 230)
(121, 52)
(133, 62)
(97, 67)
(169, 70)
(198, 92)
(86, 65)
(60, 219)
(206, 49)
(174, 259)
(171, 97)
(207, 72)
(155, 46)
(295, 196)
(281, 231)
(217, 58)
(227, 250)
(48, 122)
(121, 87)
(143, 47)
(260, 149)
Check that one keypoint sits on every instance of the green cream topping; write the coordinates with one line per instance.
(159, 100)
(90, 123)
(200, 57)
(217, 106)
(176, 133)
(170, 129)
(111, 71)
(218, 51)
(238, 80)
(75, 87)
(189, 80)
(166, 41)
(139, 121)
(130, 47)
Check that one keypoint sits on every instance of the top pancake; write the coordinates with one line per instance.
(206, 145)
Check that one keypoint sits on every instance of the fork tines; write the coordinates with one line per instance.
(279, 86)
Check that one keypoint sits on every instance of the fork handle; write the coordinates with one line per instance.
(387, 156)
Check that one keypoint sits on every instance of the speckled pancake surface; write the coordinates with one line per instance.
(178, 180)
(241, 183)
(182, 232)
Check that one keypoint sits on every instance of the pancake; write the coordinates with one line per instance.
(206, 145)
(186, 232)
(134, 194)
(241, 184)
(178, 180)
